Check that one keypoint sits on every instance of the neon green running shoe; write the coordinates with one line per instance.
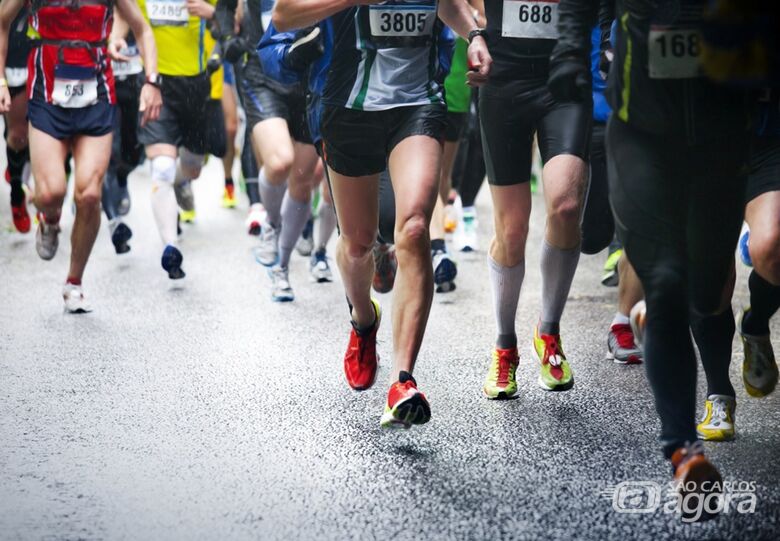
(610, 278)
(500, 382)
(555, 374)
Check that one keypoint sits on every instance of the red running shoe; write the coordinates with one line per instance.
(406, 406)
(20, 216)
(361, 359)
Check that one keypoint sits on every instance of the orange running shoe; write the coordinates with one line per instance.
(361, 359)
(695, 478)
(406, 406)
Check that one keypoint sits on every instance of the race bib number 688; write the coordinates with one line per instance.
(530, 19)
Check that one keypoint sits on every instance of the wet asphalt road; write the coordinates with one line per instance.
(201, 410)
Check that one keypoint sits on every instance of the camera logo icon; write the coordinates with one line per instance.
(635, 497)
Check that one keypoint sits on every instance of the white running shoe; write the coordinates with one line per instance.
(75, 303)
(319, 269)
(466, 234)
(254, 222)
(638, 319)
(267, 253)
(47, 239)
(281, 290)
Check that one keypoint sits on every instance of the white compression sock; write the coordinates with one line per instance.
(295, 214)
(272, 197)
(506, 283)
(164, 206)
(558, 268)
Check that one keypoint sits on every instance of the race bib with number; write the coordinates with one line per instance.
(402, 21)
(167, 12)
(673, 53)
(16, 77)
(74, 87)
(530, 19)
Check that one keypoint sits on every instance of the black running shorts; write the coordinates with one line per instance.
(764, 167)
(511, 113)
(358, 143)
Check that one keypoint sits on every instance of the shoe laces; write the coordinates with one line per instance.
(552, 353)
(719, 409)
(624, 336)
(502, 365)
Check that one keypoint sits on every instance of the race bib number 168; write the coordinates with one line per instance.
(673, 53)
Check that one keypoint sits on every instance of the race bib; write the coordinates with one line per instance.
(402, 21)
(126, 69)
(530, 19)
(74, 87)
(16, 77)
(167, 12)
(673, 53)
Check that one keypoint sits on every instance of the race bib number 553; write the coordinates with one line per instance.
(167, 12)
(673, 53)
(530, 19)
(402, 21)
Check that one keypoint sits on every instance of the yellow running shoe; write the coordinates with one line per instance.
(718, 421)
(555, 374)
(759, 368)
(500, 382)
(187, 216)
(229, 197)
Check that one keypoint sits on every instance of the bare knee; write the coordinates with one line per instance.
(17, 138)
(511, 236)
(564, 212)
(278, 165)
(765, 253)
(357, 245)
(412, 234)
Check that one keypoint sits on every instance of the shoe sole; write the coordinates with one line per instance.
(320, 279)
(446, 287)
(704, 437)
(611, 281)
(411, 411)
(501, 395)
(287, 298)
(558, 388)
(265, 263)
(611, 357)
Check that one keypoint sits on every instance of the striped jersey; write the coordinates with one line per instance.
(384, 56)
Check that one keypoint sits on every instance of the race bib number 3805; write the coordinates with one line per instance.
(673, 53)
(167, 12)
(402, 20)
(530, 19)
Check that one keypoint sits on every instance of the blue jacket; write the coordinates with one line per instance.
(601, 108)
(272, 51)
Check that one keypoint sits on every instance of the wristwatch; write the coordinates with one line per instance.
(153, 79)
(477, 32)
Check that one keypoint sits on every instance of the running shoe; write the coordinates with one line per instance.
(555, 373)
(638, 318)
(305, 244)
(694, 474)
(621, 347)
(281, 290)
(229, 197)
(444, 272)
(717, 424)
(450, 218)
(75, 303)
(744, 246)
(319, 269)
(120, 235)
(20, 216)
(611, 278)
(500, 382)
(759, 369)
(406, 406)
(254, 222)
(466, 238)
(47, 239)
(385, 267)
(187, 216)
(361, 358)
(171, 262)
(267, 252)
